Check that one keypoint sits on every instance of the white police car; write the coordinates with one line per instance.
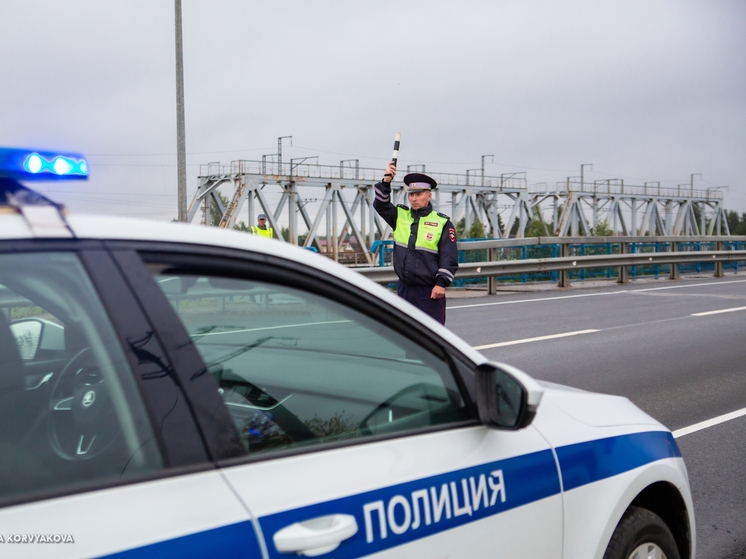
(177, 391)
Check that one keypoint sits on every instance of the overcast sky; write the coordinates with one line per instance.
(642, 90)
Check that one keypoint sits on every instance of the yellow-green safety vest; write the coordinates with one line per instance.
(268, 232)
(429, 230)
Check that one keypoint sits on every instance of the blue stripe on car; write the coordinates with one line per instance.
(591, 461)
(526, 479)
(226, 542)
(487, 489)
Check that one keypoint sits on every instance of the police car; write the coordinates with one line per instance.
(169, 390)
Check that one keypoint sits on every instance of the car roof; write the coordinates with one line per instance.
(101, 227)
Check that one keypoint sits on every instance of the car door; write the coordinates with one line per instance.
(361, 437)
(99, 452)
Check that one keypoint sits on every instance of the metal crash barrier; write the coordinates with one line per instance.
(562, 259)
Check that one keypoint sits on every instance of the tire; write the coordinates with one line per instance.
(641, 534)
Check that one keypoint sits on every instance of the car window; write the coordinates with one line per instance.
(296, 368)
(70, 411)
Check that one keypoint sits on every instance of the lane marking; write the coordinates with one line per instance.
(709, 423)
(591, 295)
(681, 286)
(720, 311)
(540, 338)
(533, 300)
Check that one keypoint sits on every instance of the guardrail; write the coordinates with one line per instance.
(565, 262)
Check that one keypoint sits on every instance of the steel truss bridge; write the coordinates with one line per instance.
(344, 195)
(661, 211)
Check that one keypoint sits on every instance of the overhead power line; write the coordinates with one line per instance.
(173, 153)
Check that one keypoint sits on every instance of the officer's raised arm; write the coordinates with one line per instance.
(382, 203)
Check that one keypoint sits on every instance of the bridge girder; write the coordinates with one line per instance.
(251, 180)
(677, 207)
(492, 197)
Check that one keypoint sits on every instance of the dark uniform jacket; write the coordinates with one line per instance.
(416, 266)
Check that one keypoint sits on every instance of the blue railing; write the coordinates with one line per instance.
(584, 249)
(385, 249)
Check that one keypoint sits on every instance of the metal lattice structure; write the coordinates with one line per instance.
(344, 205)
(343, 217)
(661, 211)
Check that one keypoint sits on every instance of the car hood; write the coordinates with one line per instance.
(593, 409)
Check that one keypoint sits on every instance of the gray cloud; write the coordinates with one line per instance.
(647, 91)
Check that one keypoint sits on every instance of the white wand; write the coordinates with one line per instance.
(395, 157)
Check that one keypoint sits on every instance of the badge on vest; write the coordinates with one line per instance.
(429, 236)
(431, 224)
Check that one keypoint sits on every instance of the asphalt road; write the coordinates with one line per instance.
(643, 341)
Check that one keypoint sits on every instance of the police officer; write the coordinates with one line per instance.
(261, 228)
(425, 251)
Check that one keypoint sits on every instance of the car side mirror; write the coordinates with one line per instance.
(33, 334)
(507, 398)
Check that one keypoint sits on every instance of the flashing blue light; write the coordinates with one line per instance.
(42, 165)
(62, 166)
(33, 163)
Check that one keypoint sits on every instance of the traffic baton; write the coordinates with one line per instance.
(395, 156)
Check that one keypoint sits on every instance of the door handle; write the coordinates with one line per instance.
(315, 536)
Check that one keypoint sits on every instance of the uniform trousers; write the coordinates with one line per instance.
(419, 296)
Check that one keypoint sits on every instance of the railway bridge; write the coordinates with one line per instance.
(335, 203)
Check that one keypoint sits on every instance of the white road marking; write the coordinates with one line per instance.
(540, 338)
(590, 295)
(533, 300)
(709, 423)
(720, 311)
(679, 432)
(681, 286)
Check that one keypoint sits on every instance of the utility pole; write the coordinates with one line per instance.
(180, 126)
(279, 151)
(691, 183)
(504, 176)
(581, 174)
(301, 160)
(357, 167)
(493, 160)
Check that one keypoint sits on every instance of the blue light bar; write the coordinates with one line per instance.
(25, 164)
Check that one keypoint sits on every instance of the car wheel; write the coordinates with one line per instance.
(641, 534)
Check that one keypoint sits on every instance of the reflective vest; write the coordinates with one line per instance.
(429, 230)
(268, 232)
